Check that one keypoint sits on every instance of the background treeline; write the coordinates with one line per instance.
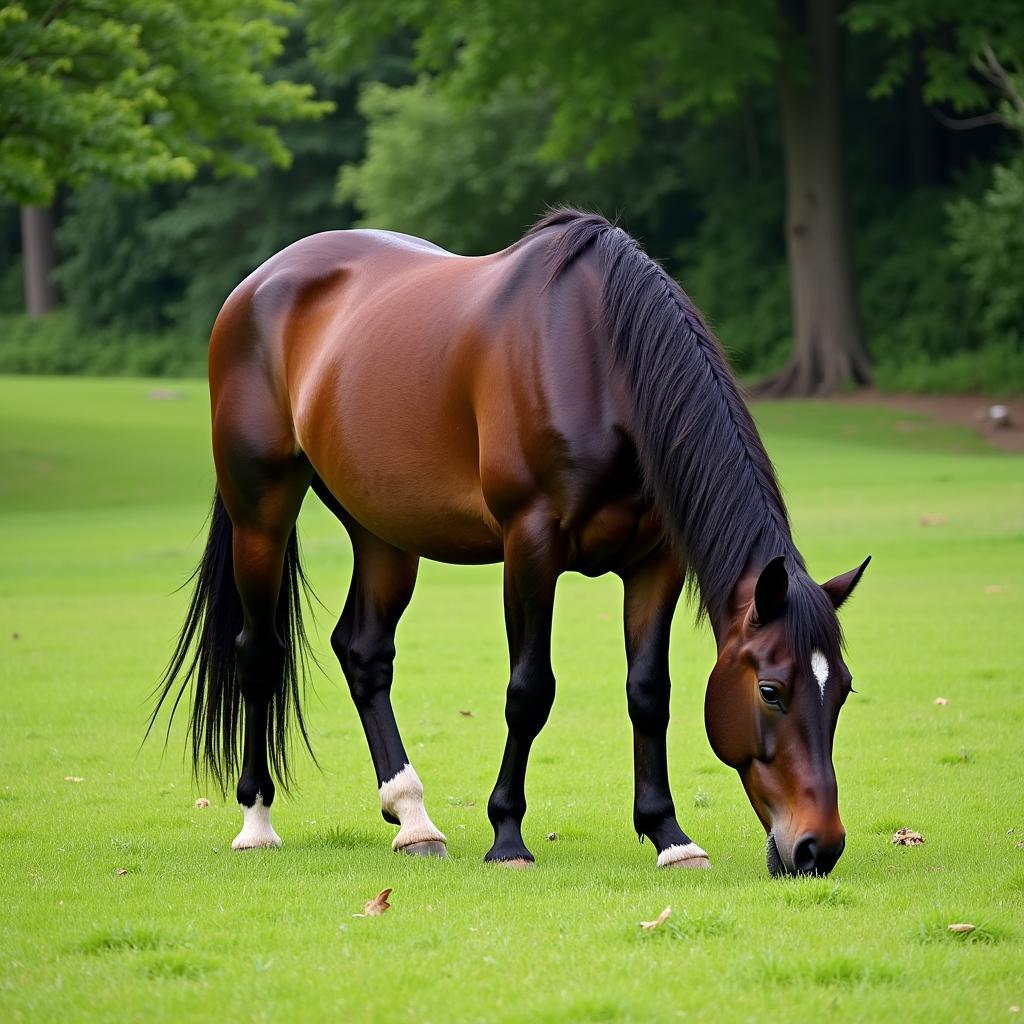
(423, 135)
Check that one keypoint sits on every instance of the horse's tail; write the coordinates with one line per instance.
(205, 657)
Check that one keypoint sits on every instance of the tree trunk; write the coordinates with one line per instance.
(828, 336)
(40, 259)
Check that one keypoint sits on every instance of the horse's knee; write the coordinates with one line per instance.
(647, 702)
(528, 701)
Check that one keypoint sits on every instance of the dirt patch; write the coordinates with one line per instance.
(971, 411)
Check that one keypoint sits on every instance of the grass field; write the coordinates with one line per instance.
(122, 901)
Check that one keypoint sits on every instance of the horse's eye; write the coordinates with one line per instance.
(770, 695)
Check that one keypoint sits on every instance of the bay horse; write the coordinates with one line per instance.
(560, 405)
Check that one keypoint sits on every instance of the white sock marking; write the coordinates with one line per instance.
(256, 828)
(402, 798)
(819, 666)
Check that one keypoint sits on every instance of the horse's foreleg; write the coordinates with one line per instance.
(364, 641)
(651, 591)
(534, 558)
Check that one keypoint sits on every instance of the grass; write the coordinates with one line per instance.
(103, 490)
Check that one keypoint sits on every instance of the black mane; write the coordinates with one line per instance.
(701, 455)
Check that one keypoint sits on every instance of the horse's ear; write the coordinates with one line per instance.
(770, 592)
(840, 588)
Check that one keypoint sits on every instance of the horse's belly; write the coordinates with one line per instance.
(445, 524)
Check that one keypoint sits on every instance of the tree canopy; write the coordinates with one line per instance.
(180, 144)
(139, 91)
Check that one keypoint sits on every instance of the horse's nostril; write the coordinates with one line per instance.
(805, 855)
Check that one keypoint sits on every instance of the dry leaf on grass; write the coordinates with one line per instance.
(73, 778)
(649, 926)
(994, 588)
(202, 802)
(376, 906)
(907, 837)
(942, 701)
(961, 929)
(552, 836)
(466, 714)
(932, 519)
(122, 871)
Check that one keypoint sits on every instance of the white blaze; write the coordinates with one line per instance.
(819, 666)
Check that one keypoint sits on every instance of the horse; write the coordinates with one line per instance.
(557, 406)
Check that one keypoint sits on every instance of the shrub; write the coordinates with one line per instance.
(55, 344)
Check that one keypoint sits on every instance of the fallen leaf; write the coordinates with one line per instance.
(1020, 845)
(994, 588)
(649, 926)
(552, 836)
(942, 701)
(961, 929)
(122, 871)
(932, 519)
(73, 778)
(202, 802)
(377, 906)
(907, 837)
(466, 714)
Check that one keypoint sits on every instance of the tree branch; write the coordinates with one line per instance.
(962, 124)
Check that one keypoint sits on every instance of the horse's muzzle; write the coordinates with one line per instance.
(809, 856)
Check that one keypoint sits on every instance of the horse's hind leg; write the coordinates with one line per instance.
(364, 641)
(651, 591)
(262, 497)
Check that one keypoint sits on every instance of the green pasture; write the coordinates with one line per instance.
(122, 901)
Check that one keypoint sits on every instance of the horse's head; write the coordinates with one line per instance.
(772, 704)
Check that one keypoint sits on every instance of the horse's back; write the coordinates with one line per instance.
(434, 393)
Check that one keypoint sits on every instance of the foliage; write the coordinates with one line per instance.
(953, 40)
(602, 64)
(989, 242)
(473, 179)
(461, 122)
(57, 344)
(137, 91)
(170, 256)
(428, 163)
(997, 368)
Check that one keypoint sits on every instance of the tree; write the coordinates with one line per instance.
(604, 64)
(828, 336)
(167, 256)
(136, 91)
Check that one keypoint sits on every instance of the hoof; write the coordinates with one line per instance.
(516, 863)
(691, 862)
(688, 855)
(430, 848)
(244, 842)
